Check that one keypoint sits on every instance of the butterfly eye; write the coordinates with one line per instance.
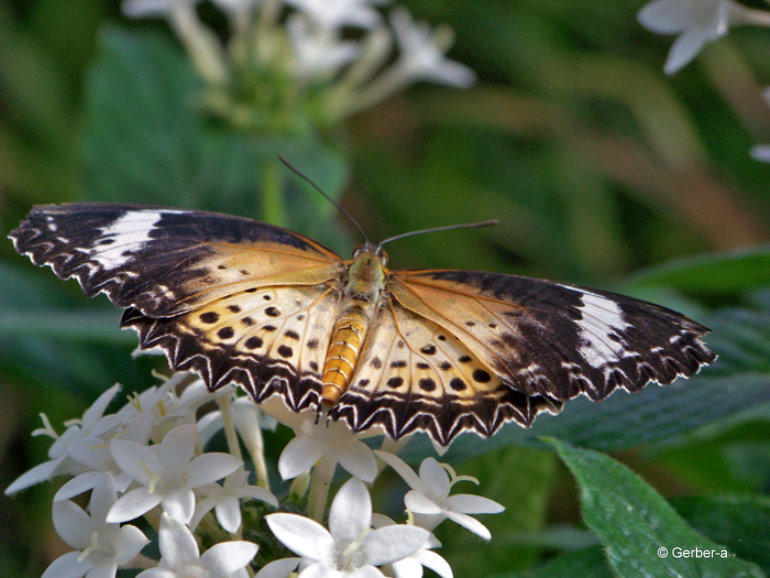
(383, 255)
(358, 251)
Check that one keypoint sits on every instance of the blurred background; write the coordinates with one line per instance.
(602, 170)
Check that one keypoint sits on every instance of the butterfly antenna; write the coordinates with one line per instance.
(307, 179)
(445, 228)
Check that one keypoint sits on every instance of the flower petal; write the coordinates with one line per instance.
(128, 543)
(434, 562)
(351, 512)
(177, 544)
(178, 446)
(306, 537)
(666, 16)
(257, 493)
(401, 467)
(210, 467)
(72, 524)
(228, 514)
(391, 543)
(472, 504)
(227, 557)
(136, 460)
(419, 503)
(433, 478)
(279, 568)
(299, 455)
(357, 458)
(40, 473)
(78, 485)
(469, 523)
(132, 505)
(179, 505)
(67, 566)
(685, 48)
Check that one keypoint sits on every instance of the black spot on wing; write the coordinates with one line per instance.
(219, 364)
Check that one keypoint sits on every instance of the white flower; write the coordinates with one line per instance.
(318, 438)
(180, 557)
(429, 497)
(350, 547)
(338, 13)
(226, 500)
(422, 55)
(697, 22)
(168, 473)
(246, 415)
(318, 51)
(411, 566)
(73, 446)
(101, 547)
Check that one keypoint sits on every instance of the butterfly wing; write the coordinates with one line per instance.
(222, 295)
(550, 339)
(512, 346)
(414, 375)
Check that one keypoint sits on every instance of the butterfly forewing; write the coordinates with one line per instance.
(414, 375)
(543, 338)
(166, 261)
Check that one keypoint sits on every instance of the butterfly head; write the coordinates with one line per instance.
(371, 251)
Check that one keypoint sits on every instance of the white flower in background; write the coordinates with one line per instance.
(423, 52)
(317, 439)
(73, 445)
(318, 51)
(339, 13)
(429, 498)
(168, 473)
(180, 557)
(101, 547)
(350, 547)
(225, 500)
(697, 22)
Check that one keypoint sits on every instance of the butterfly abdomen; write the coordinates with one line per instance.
(365, 283)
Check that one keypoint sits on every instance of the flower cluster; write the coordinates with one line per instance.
(149, 476)
(290, 64)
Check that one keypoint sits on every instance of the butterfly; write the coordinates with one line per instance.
(439, 351)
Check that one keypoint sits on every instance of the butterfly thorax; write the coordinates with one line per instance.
(366, 280)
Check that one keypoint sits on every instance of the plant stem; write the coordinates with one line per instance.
(224, 403)
(319, 487)
(271, 178)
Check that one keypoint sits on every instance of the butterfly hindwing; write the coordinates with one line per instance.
(270, 341)
(413, 375)
(543, 338)
(166, 261)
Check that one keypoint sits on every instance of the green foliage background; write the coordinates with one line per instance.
(601, 170)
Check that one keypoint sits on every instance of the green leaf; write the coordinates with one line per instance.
(633, 522)
(586, 563)
(49, 338)
(724, 274)
(742, 523)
